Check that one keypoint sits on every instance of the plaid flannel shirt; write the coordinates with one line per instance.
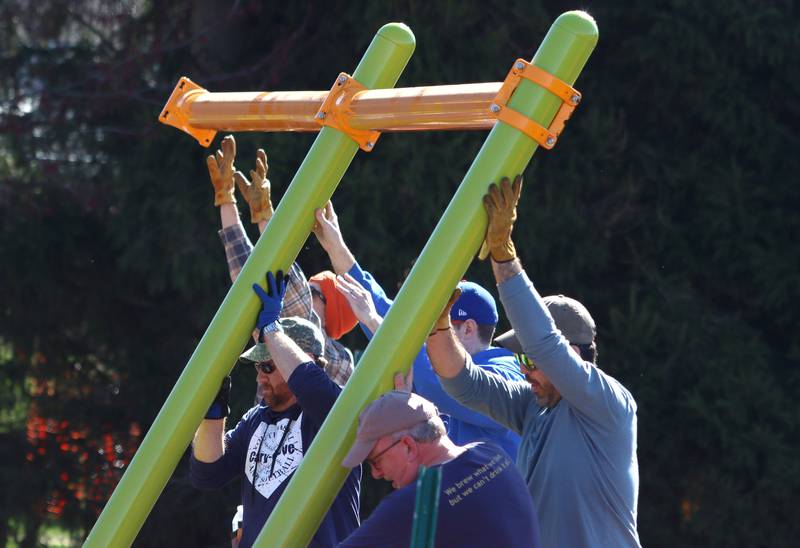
(296, 302)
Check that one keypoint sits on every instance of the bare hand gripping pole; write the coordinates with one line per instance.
(312, 186)
(506, 152)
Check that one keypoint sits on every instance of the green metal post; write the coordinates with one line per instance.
(426, 507)
(312, 186)
(506, 151)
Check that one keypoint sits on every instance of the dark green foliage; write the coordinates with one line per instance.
(669, 208)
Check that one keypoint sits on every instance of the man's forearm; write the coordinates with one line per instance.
(285, 352)
(446, 354)
(342, 260)
(228, 215)
(208, 445)
(506, 270)
(372, 323)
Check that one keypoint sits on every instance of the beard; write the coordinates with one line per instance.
(546, 395)
(276, 398)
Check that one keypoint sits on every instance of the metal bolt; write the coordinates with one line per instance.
(341, 80)
(519, 65)
(494, 108)
(321, 115)
(370, 144)
(550, 141)
(576, 99)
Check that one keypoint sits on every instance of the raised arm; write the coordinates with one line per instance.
(587, 388)
(330, 238)
(223, 176)
(446, 354)
(215, 454)
(234, 239)
(284, 351)
(581, 383)
(257, 191)
(360, 302)
(208, 445)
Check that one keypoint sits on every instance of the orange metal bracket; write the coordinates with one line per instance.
(569, 96)
(176, 113)
(336, 112)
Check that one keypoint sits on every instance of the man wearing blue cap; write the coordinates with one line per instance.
(474, 318)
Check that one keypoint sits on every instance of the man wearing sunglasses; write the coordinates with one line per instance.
(578, 423)
(482, 498)
(268, 443)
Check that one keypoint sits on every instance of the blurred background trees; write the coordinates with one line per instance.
(669, 208)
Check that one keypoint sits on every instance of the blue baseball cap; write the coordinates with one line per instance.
(475, 303)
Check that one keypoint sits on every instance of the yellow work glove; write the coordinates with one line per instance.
(220, 168)
(443, 323)
(257, 191)
(501, 206)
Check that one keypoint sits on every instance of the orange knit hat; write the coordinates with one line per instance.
(339, 317)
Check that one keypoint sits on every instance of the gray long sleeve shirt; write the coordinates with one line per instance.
(578, 457)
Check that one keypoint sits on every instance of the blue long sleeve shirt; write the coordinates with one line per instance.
(577, 457)
(464, 425)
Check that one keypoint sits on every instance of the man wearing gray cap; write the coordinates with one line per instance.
(578, 423)
(482, 502)
(269, 443)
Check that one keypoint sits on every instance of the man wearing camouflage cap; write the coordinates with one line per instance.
(578, 423)
(269, 442)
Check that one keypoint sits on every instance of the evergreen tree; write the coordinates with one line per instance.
(669, 207)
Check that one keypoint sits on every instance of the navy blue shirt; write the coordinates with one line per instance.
(269, 446)
(483, 502)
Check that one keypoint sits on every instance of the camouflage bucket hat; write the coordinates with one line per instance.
(307, 336)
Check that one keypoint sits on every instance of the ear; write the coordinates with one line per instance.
(471, 327)
(411, 446)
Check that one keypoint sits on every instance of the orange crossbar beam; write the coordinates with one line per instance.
(201, 113)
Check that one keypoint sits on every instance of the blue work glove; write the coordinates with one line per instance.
(220, 407)
(271, 299)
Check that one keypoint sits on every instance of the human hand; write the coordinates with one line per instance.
(271, 299)
(404, 383)
(257, 191)
(360, 301)
(443, 323)
(220, 407)
(501, 207)
(220, 168)
(326, 229)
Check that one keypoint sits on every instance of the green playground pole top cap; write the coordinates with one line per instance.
(399, 33)
(578, 23)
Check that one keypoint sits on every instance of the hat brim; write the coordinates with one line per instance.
(257, 353)
(358, 453)
(509, 341)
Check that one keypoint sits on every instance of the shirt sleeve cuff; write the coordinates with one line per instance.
(231, 233)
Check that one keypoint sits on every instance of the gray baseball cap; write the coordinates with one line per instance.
(392, 412)
(307, 336)
(571, 318)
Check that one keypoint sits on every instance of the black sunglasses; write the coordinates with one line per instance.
(318, 293)
(266, 367)
(525, 362)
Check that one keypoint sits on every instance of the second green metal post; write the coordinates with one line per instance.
(217, 351)
(454, 242)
